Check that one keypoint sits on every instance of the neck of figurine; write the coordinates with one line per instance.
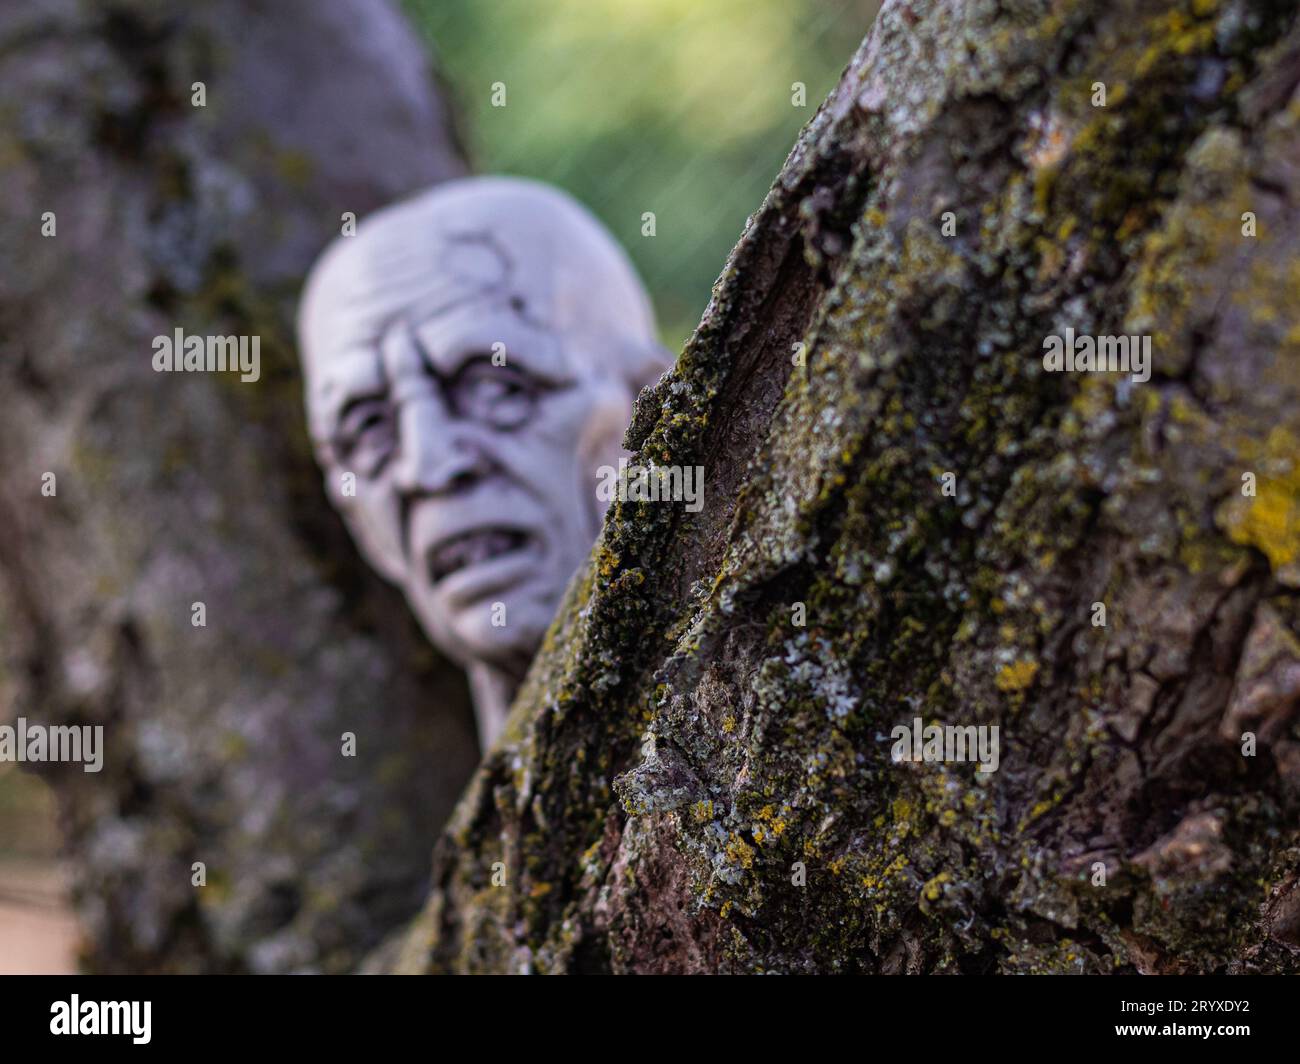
(493, 689)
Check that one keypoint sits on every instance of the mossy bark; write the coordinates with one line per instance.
(683, 747)
(224, 742)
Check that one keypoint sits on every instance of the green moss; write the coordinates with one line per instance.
(924, 357)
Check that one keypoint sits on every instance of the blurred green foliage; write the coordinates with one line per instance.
(679, 107)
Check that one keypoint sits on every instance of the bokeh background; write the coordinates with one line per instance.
(671, 106)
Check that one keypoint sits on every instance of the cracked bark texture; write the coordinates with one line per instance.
(223, 742)
(682, 748)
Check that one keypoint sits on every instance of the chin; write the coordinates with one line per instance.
(510, 647)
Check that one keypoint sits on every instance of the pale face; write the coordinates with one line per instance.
(471, 358)
(474, 481)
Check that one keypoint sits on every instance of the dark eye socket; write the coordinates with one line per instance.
(501, 396)
(492, 379)
(481, 368)
(366, 435)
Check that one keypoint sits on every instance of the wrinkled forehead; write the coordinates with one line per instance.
(444, 342)
(369, 282)
(485, 253)
(361, 340)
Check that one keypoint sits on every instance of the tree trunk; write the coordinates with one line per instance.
(694, 781)
(224, 742)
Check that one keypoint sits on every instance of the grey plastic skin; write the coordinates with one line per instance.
(471, 356)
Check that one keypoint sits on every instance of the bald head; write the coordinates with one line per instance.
(471, 356)
(473, 248)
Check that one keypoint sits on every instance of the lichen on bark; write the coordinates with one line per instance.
(682, 747)
(223, 744)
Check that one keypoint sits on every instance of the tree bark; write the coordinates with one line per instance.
(225, 742)
(683, 748)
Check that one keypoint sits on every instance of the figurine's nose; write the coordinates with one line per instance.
(438, 454)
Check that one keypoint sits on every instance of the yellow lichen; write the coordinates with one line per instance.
(1270, 521)
(1017, 676)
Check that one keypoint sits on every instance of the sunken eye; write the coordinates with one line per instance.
(366, 436)
(501, 396)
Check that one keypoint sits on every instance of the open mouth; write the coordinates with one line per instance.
(473, 548)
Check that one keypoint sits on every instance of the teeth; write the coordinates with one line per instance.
(472, 549)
